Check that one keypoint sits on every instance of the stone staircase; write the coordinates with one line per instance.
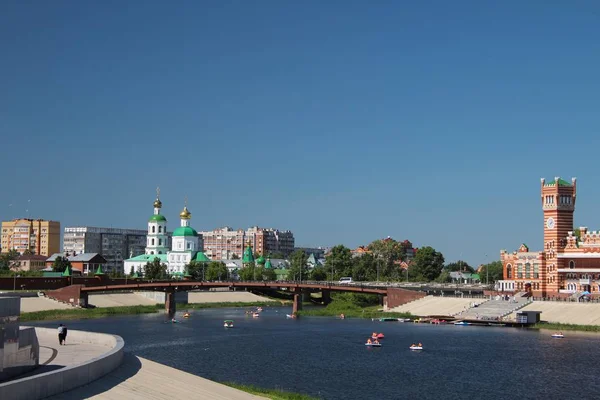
(494, 309)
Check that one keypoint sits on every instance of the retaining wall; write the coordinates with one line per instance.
(160, 297)
(70, 377)
(397, 297)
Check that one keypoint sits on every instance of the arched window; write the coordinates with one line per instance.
(508, 271)
(160, 252)
(527, 270)
(159, 229)
(520, 271)
(153, 228)
(152, 242)
(571, 264)
(151, 252)
(160, 242)
(572, 286)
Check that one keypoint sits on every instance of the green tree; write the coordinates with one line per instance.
(365, 268)
(268, 274)
(248, 272)
(298, 268)
(318, 274)
(339, 262)
(131, 271)
(277, 256)
(459, 266)
(388, 253)
(197, 270)
(60, 264)
(7, 260)
(495, 271)
(235, 257)
(427, 264)
(155, 270)
(216, 271)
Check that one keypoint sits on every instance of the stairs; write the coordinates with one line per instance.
(495, 309)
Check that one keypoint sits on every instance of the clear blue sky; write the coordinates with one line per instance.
(344, 121)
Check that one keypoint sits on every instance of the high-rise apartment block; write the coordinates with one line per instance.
(37, 236)
(226, 243)
(114, 244)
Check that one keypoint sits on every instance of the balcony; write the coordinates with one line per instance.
(585, 281)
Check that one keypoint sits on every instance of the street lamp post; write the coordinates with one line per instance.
(487, 271)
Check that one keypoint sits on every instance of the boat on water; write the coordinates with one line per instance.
(462, 323)
(373, 344)
(290, 316)
(558, 336)
(228, 323)
(255, 315)
(416, 347)
(186, 315)
(259, 309)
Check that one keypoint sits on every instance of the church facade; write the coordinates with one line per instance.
(569, 263)
(186, 244)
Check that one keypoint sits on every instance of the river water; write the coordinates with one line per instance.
(326, 357)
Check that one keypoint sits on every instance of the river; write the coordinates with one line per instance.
(326, 357)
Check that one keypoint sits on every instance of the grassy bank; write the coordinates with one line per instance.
(352, 306)
(274, 394)
(87, 313)
(566, 327)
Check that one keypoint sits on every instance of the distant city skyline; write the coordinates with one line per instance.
(344, 122)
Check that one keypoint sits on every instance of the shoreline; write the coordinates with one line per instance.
(102, 312)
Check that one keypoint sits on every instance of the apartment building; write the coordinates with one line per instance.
(227, 243)
(37, 236)
(114, 244)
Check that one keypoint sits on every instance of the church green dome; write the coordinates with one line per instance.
(185, 231)
(157, 218)
(260, 260)
(248, 257)
(268, 264)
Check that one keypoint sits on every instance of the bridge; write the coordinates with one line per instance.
(390, 296)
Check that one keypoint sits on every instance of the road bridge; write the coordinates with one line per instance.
(391, 297)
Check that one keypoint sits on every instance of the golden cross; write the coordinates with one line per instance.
(157, 191)
(185, 201)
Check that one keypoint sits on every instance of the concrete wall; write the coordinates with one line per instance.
(19, 348)
(396, 296)
(159, 297)
(70, 377)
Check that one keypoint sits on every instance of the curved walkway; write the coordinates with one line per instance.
(141, 379)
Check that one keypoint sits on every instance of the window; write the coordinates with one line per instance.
(153, 228)
(520, 271)
(180, 246)
(508, 271)
(536, 272)
(571, 264)
(160, 241)
(152, 242)
(189, 245)
(527, 270)
(159, 229)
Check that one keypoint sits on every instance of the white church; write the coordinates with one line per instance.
(186, 244)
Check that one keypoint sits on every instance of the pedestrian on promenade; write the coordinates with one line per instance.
(65, 335)
(61, 334)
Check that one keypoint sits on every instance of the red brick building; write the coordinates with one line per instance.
(569, 264)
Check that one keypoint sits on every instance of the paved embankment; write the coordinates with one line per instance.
(86, 357)
(434, 305)
(141, 379)
(119, 300)
(224, 297)
(34, 304)
(565, 313)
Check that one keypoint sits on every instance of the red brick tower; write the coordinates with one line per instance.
(558, 204)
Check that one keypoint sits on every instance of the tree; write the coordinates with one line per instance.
(247, 273)
(277, 256)
(235, 257)
(268, 274)
(389, 252)
(318, 274)
(459, 266)
(216, 271)
(155, 270)
(365, 268)
(7, 260)
(298, 268)
(495, 270)
(60, 264)
(339, 262)
(131, 271)
(427, 264)
(197, 270)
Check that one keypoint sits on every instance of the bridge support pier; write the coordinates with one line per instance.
(297, 303)
(383, 301)
(170, 305)
(326, 297)
(83, 299)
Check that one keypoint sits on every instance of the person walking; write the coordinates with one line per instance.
(65, 335)
(61, 334)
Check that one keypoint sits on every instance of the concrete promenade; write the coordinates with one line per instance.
(140, 379)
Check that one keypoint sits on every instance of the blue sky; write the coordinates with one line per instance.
(344, 121)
